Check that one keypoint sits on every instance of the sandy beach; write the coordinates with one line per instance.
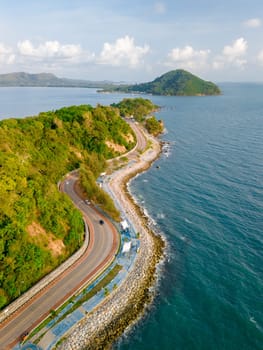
(122, 307)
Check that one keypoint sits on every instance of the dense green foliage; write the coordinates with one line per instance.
(138, 108)
(154, 126)
(178, 83)
(96, 194)
(39, 226)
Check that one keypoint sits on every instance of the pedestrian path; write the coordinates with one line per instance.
(56, 329)
(28, 346)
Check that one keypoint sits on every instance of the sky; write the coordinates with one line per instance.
(133, 41)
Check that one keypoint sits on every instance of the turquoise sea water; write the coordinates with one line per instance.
(206, 198)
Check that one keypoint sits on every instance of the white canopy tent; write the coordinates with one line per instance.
(126, 247)
(124, 225)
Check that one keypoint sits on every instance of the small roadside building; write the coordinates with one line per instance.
(126, 247)
(124, 225)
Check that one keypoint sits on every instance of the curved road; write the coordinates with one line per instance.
(141, 140)
(104, 242)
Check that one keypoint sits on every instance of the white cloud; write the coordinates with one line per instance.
(238, 49)
(123, 52)
(160, 8)
(234, 53)
(11, 59)
(6, 55)
(49, 49)
(253, 23)
(187, 57)
(4, 49)
(260, 57)
(218, 63)
(51, 56)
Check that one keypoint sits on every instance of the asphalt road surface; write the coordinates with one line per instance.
(102, 248)
(141, 140)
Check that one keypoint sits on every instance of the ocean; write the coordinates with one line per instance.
(206, 199)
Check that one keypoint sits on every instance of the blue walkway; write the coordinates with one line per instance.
(54, 331)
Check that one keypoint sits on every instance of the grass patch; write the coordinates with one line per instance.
(53, 313)
(149, 145)
(102, 284)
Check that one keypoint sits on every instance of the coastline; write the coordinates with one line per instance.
(124, 306)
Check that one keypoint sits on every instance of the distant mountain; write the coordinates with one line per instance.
(47, 80)
(177, 82)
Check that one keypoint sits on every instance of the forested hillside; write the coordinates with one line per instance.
(47, 79)
(174, 83)
(140, 109)
(39, 226)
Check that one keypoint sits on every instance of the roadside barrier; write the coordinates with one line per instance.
(44, 282)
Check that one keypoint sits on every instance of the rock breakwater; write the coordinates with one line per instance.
(127, 303)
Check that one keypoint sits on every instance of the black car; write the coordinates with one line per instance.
(101, 222)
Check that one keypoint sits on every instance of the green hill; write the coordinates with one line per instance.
(39, 226)
(47, 80)
(174, 83)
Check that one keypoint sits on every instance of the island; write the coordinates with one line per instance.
(174, 83)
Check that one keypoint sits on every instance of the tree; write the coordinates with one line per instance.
(35, 153)
(154, 126)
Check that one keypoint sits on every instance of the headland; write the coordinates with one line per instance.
(126, 304)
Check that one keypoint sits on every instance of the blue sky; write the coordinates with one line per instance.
(135, 40)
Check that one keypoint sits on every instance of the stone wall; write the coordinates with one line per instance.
(44, 282)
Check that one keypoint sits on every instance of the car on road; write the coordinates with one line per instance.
(101, 222)
(24, 336)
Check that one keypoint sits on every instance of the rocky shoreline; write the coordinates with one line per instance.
(125, 305)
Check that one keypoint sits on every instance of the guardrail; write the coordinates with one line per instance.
(44, 282)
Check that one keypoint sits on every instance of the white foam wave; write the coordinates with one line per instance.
(160, 216)
(188, 221)
(153, 221)
(145, 212)
(252, 320)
